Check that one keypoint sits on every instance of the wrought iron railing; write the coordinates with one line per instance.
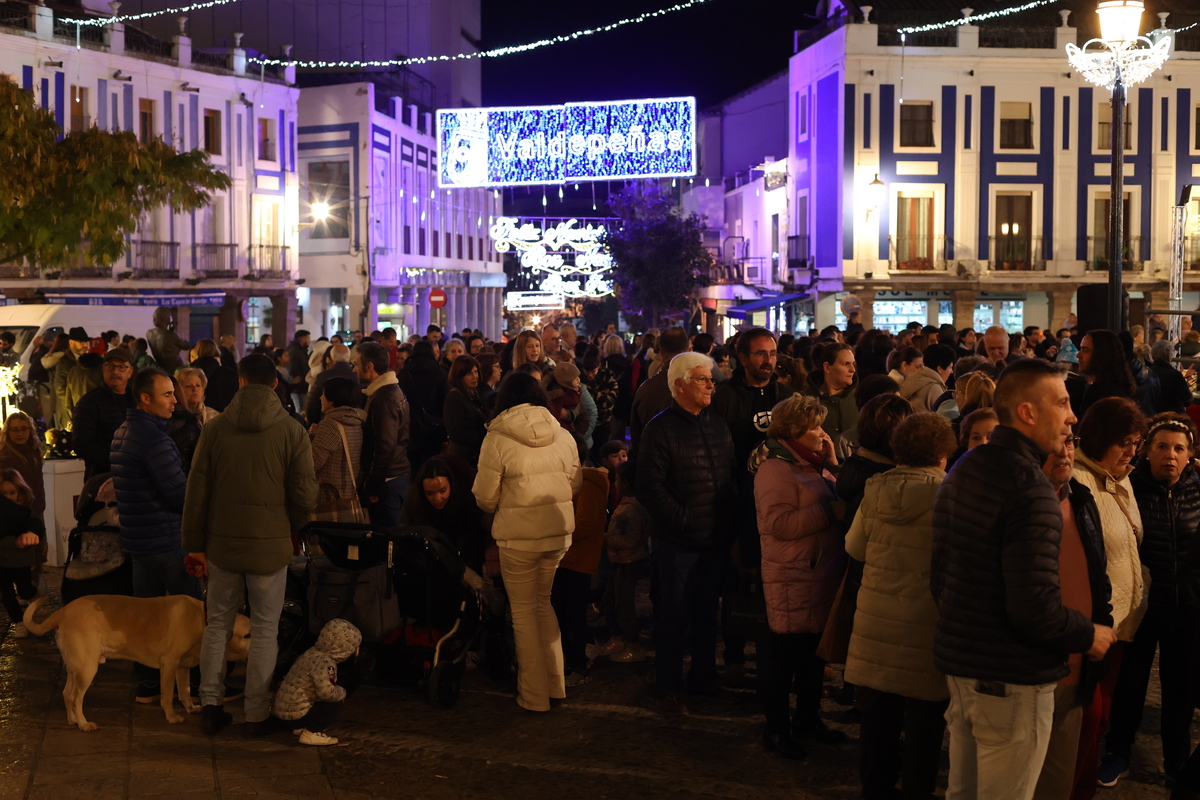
(756, 270)
(22, 270)
(1016, 36)
(137, 41)
(92, 34)
(1188, 40)
(269, 261)
(14, 15)
(920, 253)
(81, 265)
(1191, 253)
(155, 260)
(1022, 253)
(215, 260)
(1099, 259)
(889, 36)
(723, 272)
(205, 58)
(798, 255)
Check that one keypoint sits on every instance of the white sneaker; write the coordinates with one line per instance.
(20, 631)
(297, 731)
(316, 738)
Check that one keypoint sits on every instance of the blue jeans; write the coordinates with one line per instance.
(160, 575)
(689, 586)
(386, 512)
(225, 598)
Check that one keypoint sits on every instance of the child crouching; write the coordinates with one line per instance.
(309, 699)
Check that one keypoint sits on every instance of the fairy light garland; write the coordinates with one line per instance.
(1003, 12)
(102, 21)
(493, 53)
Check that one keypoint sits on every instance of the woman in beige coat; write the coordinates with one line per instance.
(1110, 435)
(900, 691)
(528, 472)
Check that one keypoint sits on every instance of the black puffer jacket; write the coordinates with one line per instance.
(734, 401)
(1171, 535)
(424, 384)
(685, 478)
(150, 485)
(1176, 396)
(97, 416)
(385, 438)
(994, 577)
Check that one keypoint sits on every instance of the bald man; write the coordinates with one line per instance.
(995, 347)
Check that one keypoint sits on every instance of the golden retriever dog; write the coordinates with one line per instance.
(160, 632)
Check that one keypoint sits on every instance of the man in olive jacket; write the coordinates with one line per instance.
(250, 486)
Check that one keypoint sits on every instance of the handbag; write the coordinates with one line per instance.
(333, 507)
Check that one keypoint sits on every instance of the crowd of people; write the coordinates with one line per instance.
(995, 533)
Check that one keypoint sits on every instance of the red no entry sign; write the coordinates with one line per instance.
(437, 298)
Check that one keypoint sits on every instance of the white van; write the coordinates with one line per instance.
(48, 320)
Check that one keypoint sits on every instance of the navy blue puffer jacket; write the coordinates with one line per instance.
(150, 484)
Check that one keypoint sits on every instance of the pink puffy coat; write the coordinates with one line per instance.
(803, 549)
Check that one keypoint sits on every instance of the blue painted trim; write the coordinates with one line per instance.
(1066, 122)
(376, 129)
(284, 144)
(989, 160)
(1166, 122)
(304, 130)
(168, 118)
(194, 110)
(59, 102)
(867, 121)
(27, 78)
(848, 168)
(102, 104)
(194, 261)
(329, 145)
(292, 150)
(128, 106)
(1184, 160)
(968, 119)
(46, 93)
(116, 115)
(945, 159)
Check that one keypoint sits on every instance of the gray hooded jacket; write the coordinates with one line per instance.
(313, 678)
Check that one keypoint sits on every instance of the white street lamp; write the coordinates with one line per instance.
(1119, 59)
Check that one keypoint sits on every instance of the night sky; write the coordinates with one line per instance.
(711, 51)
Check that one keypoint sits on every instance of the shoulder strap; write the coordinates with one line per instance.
(346, 447)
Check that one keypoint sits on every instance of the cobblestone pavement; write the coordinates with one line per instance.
(605, 742)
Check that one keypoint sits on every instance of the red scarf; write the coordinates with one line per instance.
(816, 459)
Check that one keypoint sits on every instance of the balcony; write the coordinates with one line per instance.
(14, 15)
(756, 270)
(268, 262)
(22, 270)
(215, 261)
(1098, 259)
(889, 36)
(155, 260)
(1191, 253)
(138, 41)
(798, 254)
(88, 34)
(81, 265)
(917, 253)
(722, 273)
(1016, 36)
(1016, 253)
(208, 58)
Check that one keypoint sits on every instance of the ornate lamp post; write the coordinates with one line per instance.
(1119, 59)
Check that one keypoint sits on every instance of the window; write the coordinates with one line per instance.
(984, 317)
(1014, 217)
(916, 124)
(212, 131)
(329, 182)
(80, 120)
(1016, 125)
(801, 116)
(266, 139)
(145, 120)
(1104, 127)
(914, 246)
(1197, 144)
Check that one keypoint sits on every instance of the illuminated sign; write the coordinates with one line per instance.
(534, 301)
(573, 142)
(574, 259)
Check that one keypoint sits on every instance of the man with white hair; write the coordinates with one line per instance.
(995, 347)
(685, 479)
(1175, 394)
(339, 367)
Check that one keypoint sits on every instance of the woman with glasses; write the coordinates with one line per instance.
(1110, 435)
(1167, 491)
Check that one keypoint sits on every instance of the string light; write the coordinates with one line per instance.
(1003, 12)
(102, 21)
(493, 53)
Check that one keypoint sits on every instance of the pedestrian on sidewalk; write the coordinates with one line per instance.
(251, 485)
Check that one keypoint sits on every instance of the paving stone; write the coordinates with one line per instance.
(13, 783)
(174, 742)
(82, 789)
(89, 768)
(295, 760)
(309, 787)
(168, 775)
(71, 741)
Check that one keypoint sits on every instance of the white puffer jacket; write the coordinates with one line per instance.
(528, 472)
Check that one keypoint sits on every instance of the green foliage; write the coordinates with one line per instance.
(658, 253)
(90, 187)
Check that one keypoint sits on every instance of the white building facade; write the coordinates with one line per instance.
(965, 177)
(393, 242)
(230, 268)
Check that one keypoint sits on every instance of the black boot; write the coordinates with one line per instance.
(213, 719)
(783, 744)
(816, 730)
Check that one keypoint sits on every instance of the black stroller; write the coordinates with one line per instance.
(412, 597)
(95, 562)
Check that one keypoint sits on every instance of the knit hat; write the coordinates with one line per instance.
(565, 373)
(78, 335)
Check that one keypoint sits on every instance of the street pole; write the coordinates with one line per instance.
(1116, 232)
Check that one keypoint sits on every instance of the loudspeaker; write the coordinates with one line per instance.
(1091, 304)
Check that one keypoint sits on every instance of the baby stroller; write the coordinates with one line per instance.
(411, 595)
(95, 562)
